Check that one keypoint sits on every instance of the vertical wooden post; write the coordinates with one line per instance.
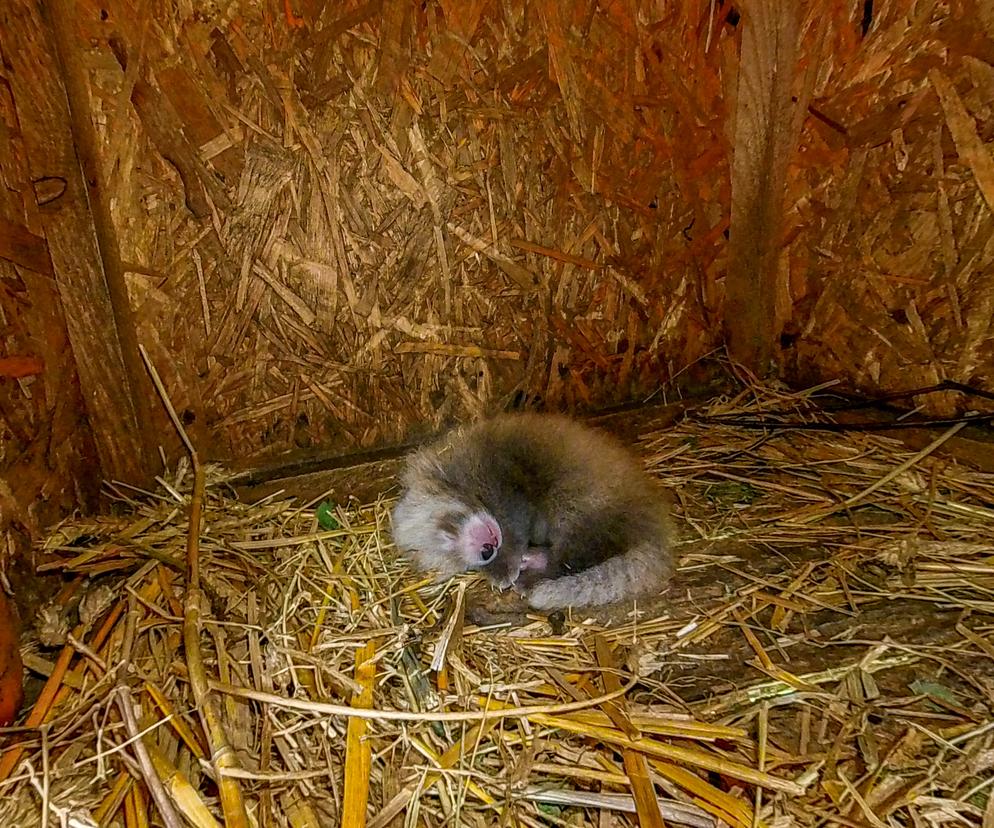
(765, 135)
(60, 143)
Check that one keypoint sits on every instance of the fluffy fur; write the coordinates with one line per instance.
(558, 510)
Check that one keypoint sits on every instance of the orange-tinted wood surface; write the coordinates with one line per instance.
(11, 672)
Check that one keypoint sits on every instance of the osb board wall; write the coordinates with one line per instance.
(46, 450)
(47, 454)
(887, 268)
(342, 221)
(339, 222)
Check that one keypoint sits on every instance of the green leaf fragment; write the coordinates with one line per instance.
(922, 687)
(326, 516)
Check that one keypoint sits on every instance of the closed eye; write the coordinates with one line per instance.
(448, 524)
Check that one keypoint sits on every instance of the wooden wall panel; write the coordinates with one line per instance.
(56, 153)
(365, 219)
(888, 258)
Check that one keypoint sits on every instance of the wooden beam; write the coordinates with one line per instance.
(60, 144)
(765, 134)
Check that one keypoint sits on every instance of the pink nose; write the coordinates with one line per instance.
(483, 530)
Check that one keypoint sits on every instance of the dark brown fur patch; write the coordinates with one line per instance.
(450, 522)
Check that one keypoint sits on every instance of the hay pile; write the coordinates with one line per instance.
(825, 658)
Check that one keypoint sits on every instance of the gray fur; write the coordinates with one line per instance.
(640, 572)
(555, 487)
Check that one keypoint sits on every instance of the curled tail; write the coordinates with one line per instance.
(640, 572)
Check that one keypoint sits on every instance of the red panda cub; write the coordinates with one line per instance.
(557, 510)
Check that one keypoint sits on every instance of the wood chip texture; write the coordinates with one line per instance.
(887, 248)
(342, 222)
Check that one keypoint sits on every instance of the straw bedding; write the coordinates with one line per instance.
(824, 657)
